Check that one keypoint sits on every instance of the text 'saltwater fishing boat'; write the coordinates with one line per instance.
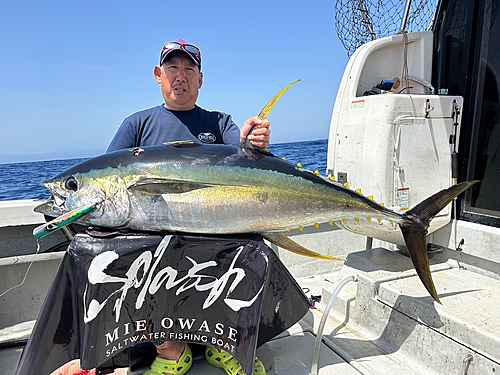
(415, 113)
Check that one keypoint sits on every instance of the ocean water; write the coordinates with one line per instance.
(24, 180)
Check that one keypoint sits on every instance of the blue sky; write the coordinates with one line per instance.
(72, 71)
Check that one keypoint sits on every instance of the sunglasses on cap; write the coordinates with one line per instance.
(193, 51)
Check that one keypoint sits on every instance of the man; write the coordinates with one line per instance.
(179, 119)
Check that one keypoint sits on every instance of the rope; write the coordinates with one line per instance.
(28, 270)
(405, 76)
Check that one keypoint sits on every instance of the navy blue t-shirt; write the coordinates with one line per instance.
(157, 125)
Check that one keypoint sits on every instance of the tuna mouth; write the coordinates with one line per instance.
(49, 208)
(58, 200)
(53, 206)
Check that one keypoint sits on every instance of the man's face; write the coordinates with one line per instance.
(180, 80)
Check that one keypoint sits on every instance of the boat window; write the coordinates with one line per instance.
(486, 165)
(451, 61)
(467, 63)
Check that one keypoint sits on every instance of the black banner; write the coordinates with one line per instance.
(113, 293)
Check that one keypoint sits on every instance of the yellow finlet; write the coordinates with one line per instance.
(357, 220)
(346, 185)
(300, 165)
(359, 192)
(269, 106)
(317, 172)
(284, 159)
(369, 219)
(371, 197)
(316, 225)
(379, 221)
(383, 205)
(344, 221)
(301, 229)
(331, 223)
(333, 179)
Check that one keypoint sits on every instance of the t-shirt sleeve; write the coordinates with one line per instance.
(229, 130)
(124, 138)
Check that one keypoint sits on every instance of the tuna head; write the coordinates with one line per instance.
(102, 188)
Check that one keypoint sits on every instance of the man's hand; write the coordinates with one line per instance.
(261, 135)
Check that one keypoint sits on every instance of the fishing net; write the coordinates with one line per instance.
(360, 21)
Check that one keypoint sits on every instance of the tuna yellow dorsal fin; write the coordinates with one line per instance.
(269, 106)
(266, 112)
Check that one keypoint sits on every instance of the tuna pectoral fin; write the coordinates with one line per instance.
(414, 229)
(157, 186)
(279, 239)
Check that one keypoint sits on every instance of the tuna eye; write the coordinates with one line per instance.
(71, 184)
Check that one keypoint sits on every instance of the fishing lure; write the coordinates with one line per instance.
(61, 221)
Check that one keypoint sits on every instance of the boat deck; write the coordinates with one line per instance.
(384, 323)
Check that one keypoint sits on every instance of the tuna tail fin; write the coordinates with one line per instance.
(414, 229)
